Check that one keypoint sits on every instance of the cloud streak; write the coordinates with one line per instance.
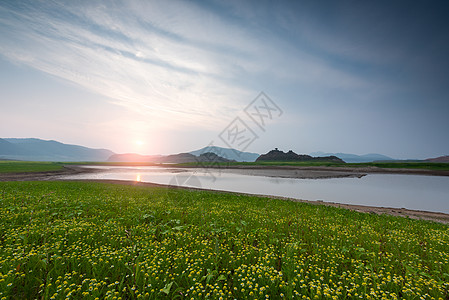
(195, 66)
(172, 60)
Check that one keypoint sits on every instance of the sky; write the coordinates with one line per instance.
(161, 77)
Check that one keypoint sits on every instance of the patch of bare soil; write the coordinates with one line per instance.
(48, 175)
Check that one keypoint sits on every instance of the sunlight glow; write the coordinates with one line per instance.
(138, 179)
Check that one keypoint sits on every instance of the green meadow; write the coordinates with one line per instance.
(8, 166)
(30, 166)
(80, 240)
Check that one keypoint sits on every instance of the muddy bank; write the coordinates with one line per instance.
(355, 171)
(294, 173)
(48, 175)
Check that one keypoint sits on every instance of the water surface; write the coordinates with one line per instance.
(418, 192)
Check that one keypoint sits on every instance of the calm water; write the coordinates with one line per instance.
(430, 193)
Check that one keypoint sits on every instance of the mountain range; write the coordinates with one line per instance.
(32, 149)
(228, 153)
(173, 158)
(206, 154)
(281, 156)
(354, 158)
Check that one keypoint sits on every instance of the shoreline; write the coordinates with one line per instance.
(398, 212)
(356, 170)
(46, 175)
(269, 172)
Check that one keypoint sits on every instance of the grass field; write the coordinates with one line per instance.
(24, 166)
(7, 166)
(405, 165)
(73, 240)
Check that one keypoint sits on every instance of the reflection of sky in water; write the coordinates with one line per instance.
(429, 193)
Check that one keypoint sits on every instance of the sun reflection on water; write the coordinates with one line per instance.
(138, 178)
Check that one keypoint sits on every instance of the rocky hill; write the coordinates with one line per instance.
(290, 156)
(228, 153)
(212, 158)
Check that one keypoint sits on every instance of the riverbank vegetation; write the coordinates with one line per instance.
(24, 166)
(9, 166)
(76, 240)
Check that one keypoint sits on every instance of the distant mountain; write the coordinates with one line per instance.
(133, 157)
(441, 159)
(278, 155)
(174, 158)
(228, 153)
(354, 158)
(42, 150)
(212, 158)
(7, 148)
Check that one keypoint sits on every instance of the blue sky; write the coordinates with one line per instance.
(169, 76)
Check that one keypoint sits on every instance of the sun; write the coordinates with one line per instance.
(140, 143)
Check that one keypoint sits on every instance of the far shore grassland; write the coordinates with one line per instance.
(382, 165)
(89, 240)
(7, 166)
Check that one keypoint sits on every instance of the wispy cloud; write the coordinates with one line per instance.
(172, 66)
(167, 60)
(140, 68)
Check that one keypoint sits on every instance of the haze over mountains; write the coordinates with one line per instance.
(281, 156)
(228, 153)
(173, 158)
(206, 154)
(33, 149)
(354, 158)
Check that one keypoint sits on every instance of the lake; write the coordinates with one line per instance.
(417, 192)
